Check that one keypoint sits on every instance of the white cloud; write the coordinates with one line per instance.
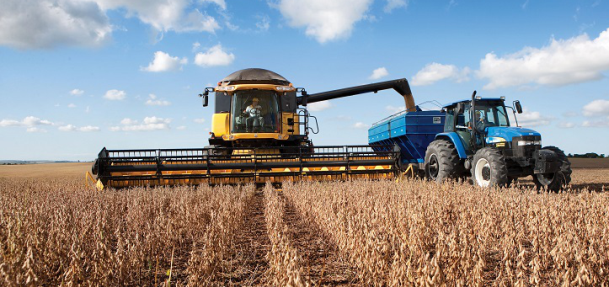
(181, 128)
(562, 62)
(76, 92)
(393, 109)
(533, 119)
(149, 124)
(164, 62)
(264, 24)
(199, 121)
(115, 95)
(33, 24)
(324, 20)
(394, 4)
(167, 15)
(31, 123)
(73, 128)
(35, 130)
(596, 108)
(71, 106)
(379, 73)
(596, 124)
(196, 46)
(434, 72)
(152, 101)
(360, 125)
(566, 125)
(215, 56)
(319, 106)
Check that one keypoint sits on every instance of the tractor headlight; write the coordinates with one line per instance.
(525, 143)
(493, 140)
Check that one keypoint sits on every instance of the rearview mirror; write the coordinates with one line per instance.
(205, 99)
(518, 106)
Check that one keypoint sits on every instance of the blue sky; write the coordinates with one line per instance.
(78, 75)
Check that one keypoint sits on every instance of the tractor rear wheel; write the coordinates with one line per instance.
(442, 161)
(555, 181)
(489, 168)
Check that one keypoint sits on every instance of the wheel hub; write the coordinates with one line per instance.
(434, 166)
(482, 172)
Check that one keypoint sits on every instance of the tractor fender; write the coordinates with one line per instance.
(454, 138)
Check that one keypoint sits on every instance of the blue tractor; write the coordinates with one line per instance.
(472, 138)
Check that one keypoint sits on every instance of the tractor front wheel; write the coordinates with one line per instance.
(555, 181)
(489, 168)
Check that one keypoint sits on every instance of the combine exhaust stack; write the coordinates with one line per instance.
(125, 168)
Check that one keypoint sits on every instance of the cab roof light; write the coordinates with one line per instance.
(226, 88)
(284, 88)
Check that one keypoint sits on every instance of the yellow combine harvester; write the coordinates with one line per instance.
(260, 133)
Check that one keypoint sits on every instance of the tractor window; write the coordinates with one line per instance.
(492, 115)
(255, 111)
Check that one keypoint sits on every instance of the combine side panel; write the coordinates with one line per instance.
(125, 168)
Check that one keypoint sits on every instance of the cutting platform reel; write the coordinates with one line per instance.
(125, 168)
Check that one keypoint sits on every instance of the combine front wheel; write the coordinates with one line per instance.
(489, 168)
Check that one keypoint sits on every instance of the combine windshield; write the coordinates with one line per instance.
(255, 112)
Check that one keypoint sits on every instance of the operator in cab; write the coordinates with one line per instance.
(255, 120)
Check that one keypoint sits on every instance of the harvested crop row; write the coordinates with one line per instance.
(421, 233)
(58, 233)
(284, 262)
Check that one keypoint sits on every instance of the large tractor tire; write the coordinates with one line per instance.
(442, 161)
(555, 181)
(489, 168)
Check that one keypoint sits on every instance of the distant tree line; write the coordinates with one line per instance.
(587, 155)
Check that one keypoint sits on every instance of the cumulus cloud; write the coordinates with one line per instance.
(215, 56)
(360, 125)
(115, 95)
(596, 108)
(149, 124)
(73, 128)
(533, 119)
(31, 123)
(153, 101)
(71, 106)
(324, 20)
(199, 121)
(596, 124)
(263, 24)
(77, 92)
(167, 15)
(379, 73)
(562, 62)
(434, 72)
(163, 62)
(394, 4)
(319, 106)
(32, 24)
(566, 125)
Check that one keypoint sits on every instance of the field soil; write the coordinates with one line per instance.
(46, 170)
(589, 162)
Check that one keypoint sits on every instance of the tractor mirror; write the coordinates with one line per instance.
(518, 106)
(459, 108)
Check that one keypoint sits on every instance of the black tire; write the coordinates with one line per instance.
(442, 161)
(554, 182)
(489, 168)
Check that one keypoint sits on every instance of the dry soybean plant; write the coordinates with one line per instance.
(58, 233)
(421, 233)
(284, 262)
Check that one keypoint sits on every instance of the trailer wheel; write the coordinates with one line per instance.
(555, 181)
(442, 161)
(489, 168)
